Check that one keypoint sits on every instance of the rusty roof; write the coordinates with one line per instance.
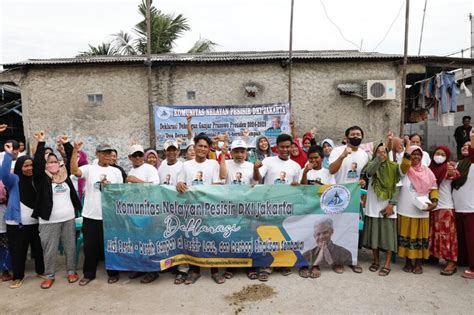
(241, 56)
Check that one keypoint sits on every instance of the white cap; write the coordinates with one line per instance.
(238, 144)
(136, 148)
(170, 143)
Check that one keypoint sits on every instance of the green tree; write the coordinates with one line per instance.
(166, 29)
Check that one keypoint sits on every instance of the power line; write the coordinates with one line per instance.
(338, 28)
(459, 51)
(390, 27)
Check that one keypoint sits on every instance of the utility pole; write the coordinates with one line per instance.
(404, 68)
(290, 56)
(422, 25)
(151, 115)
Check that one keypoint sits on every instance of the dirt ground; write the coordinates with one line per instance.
(330, 294)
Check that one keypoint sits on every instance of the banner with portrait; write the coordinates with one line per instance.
(151, 227)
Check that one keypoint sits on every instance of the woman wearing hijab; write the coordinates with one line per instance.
(22, 228)
(152, 158)
(57, 204)
(464, 204)
(418, 196)
(297, 154)
(327, 146)
(443, 241)
(262, 150)
(380, 224)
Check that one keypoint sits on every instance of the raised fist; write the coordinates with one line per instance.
(63, 139)
(258, 164)
(8, 147)
(77, 145)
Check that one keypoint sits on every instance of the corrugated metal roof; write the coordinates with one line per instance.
(240, 56)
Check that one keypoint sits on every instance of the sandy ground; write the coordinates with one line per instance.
(330, 294)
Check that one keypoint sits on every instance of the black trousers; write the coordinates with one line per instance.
(19, 239)
(197, 269)
(93, 232)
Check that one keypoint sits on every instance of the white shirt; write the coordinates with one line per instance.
(26, 219)
(351, 166)
(278, 171)
(169, 173)
(239, 174)
(146, 172)
(374, 205)
(194, 173)
(323, 175)
(63, 210)
(445, 200)
(93, 174)
(406, 201)
(464, 196)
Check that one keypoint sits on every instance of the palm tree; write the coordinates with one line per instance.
(100, 50)
(165, 30)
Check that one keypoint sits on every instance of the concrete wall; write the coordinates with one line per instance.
(55, 98)
(316, 99)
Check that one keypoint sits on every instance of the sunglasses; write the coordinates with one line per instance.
(137, 154)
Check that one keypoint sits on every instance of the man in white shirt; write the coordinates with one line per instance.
(141, 172)
(237, 171)
(346, 164)
(170, 169)
(314, 173)
(277, 170)
(200, 171)
(96, 176)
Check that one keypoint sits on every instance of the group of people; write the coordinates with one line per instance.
(418, 206)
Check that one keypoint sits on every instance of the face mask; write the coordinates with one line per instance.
(305, 149)
(52, 168)
(439, 159)
(355, 141)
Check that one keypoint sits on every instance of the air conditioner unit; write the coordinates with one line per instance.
(379, 90)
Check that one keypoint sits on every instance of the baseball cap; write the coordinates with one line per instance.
(238, 144)
(170, 143)
(136, 148)
(103, 147)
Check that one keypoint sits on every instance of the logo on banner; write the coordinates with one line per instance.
(163, 113)
(335, 199)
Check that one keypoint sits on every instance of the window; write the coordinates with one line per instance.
(94, 98)
(191, 95)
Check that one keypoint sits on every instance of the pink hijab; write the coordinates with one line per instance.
(421, 177)
(158, 161)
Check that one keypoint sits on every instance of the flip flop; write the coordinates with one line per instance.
(374, 267)
(150, 277)
(286, 271)
(418, 270)
(338, 269)
(84, 281)
(252, 275)
(315, 272)
(304, 272)
(218, 278)
(384, 271)
(180, 278)
(228, 274)
(451, 272)
(468, 274)
(47, 284)
(112, 279)
(356, 268)
(6, 276)
(192, 277)
(408, 268)
(16, 284)
(72, 278)
(263, 276)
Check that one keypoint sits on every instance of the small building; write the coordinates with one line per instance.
(105, 98)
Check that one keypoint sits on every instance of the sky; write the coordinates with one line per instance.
(62, 28)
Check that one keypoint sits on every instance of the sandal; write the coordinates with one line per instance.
(112, 279)
(192, 277)
(84, 281)
(447, 272)
(408, 268)
(338, 269)
(468, 274)
(228, 274)
(418, 270)
(315, 272)
(180, 278)
(218, 278)
(384, 271)
(304, 272)
(150, 277)
(252, 275)
(46, 284)
(6, 276)
(356, 268)
(263, 276)
(374, 267)
(286, 271)
(16, 284)
(72, 278)
(135, 275)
